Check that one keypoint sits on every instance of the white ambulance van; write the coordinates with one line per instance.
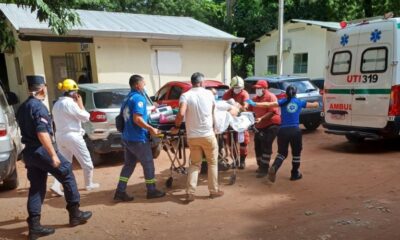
(362, 82)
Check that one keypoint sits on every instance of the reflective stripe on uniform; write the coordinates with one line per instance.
(150, 181)
(296, 159)
(123, 179)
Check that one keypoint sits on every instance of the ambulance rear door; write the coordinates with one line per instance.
(372, 79)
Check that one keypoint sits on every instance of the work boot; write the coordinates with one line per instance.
(272, 173)
(122, 197)
(36, 230)
(242, 164)
(155, 194)
(76, 216)
(223, 165)
(216, 194)
(262, 172)
(296, 176)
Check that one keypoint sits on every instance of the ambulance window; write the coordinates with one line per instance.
(374, 60)
(341, 63)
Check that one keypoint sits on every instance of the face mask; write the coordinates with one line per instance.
(259, 92)
(237, 90)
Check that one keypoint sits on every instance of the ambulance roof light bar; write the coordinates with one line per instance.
(344, 24)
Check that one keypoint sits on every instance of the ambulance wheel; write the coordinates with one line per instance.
(168, 183)
(312, 125)
(354, 139)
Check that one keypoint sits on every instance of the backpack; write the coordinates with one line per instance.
(119, 120)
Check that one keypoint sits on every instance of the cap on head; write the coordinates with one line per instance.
(35, 80)
(237, 82)
(196, 78)
(261, 84)
(68, 85)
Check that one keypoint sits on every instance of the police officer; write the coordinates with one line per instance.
(135, 139)
(41, 158)
(240, 95)
(289, 132)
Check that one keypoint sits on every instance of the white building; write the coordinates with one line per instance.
(305, 47)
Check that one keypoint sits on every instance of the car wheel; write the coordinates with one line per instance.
(156, 150)
(312, 125)
(354, 139)
(12, 181)
(97, 158)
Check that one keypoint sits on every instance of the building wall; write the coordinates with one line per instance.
(304, 39)
(117, 59)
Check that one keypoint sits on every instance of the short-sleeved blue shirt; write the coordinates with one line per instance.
(136, 104)
(290, 112)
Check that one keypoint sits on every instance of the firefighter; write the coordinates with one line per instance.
(267, 125)
(41, 158)
(289, 132)
(68, 114)
(240, 95)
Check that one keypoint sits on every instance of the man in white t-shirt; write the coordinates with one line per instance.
(197, 107)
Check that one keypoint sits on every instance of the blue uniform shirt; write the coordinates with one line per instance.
(290, 113)
(136, 104)
(33, 117)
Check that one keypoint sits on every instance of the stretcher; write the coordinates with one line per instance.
(175, 147)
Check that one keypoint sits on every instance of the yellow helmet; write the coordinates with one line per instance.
(67, 85)
(237, 82)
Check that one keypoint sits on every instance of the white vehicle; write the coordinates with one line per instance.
(362, 83)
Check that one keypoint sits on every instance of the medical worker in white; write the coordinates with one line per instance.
(68, 114)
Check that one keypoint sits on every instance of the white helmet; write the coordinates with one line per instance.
(237, 82)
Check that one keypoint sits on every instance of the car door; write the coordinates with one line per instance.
(161, 95)
(174, 94)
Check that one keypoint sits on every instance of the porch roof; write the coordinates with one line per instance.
(119, 25)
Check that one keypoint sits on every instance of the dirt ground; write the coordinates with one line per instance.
(348, 192)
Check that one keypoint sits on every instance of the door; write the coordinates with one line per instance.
(339, 78)
(59, 73)
(371, 94)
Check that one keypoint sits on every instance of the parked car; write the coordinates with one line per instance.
(310, 118)
(103, 102)
(10, 143)
(319, 82)
(170, 93)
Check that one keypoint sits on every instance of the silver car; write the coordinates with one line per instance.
(10, 143)
(103, 102)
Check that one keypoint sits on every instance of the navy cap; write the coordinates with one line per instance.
(35, 79)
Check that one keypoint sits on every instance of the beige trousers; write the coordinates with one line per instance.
(199, 147)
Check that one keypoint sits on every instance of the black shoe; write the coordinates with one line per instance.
(272, 174)
(262, 173)
(296, 176)
(122, 197)
(155, 194)
(36, 230)
(76, 216)
(242, 165)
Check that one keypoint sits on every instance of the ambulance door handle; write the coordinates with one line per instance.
(360, 99)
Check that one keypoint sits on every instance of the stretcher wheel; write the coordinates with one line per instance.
(168, 183)
(232, 179)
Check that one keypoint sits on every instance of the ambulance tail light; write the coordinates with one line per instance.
(394, 107)
(3, 130)
(97, 116)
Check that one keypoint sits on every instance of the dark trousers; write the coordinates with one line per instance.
(134, 152)
(286, 136)
(263, 140)
(38, 163)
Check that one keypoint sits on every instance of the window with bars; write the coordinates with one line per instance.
(300, 63)
(272, 64)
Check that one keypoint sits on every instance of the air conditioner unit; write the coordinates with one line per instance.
(287, 45)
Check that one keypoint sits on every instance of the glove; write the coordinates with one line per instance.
(251, 102)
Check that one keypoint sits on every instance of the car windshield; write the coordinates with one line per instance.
(112, 98)
(303, 86)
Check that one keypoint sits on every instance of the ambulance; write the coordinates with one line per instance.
(362, 81)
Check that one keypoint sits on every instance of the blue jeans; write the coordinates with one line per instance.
(134, 152)
(38, 163)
